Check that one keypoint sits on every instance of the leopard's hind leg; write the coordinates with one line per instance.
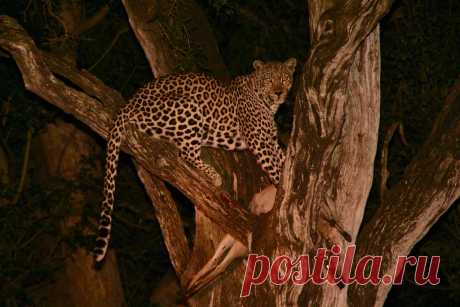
(190, 151)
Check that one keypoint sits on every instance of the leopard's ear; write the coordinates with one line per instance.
(291, 64)
(257, 64)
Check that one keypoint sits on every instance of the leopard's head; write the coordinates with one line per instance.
(273, 80)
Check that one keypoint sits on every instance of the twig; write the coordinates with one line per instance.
(28, 5)
(25, 166)
(110, 47)
(402, 135)
(92, 21)
(131, 74)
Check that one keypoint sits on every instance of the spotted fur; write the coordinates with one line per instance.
(194, 110)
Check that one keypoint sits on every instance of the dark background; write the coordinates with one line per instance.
(420, 45)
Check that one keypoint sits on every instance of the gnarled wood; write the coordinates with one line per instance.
(329, 165)
(170, 221)
(243, 177)
(430, 185)
(150, 20)
(39, 79)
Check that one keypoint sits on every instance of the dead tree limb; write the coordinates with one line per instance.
(429, 186)
(40, 80)
(149, 20)
(170, 221)
(144, 20)
(329, 164)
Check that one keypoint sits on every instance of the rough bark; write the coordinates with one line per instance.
(243, 177)
(328, 169)
(144, 18)
(160, 159)
(329, 165)
(150, 20)
(431, 183)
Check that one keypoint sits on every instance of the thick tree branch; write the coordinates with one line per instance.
(336, 35)
(147, 29)
(39, 79)
(162, 58)
(91, 85)
(150, 20)
(170, 221)
(428, 188)
(329, 163)
(161, 157)
(144, 20)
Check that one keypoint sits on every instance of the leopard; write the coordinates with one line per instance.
(195, 110)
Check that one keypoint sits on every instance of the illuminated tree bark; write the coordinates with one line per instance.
(328, 170)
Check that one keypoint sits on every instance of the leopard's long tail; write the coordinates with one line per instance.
(105, 222)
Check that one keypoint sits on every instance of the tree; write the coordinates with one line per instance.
(328, 169)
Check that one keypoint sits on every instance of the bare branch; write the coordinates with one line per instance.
(91, 85)
(161, 158)
(144, 22)
(39, 79)
(110, 47)
(428, 188)
(25, 167)
(170, 221)
(336, 35)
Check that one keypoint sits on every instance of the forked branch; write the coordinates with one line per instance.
(155, 156)
(429, 186)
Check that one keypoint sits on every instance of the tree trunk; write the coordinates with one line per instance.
(329, 165)
(326, 177)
